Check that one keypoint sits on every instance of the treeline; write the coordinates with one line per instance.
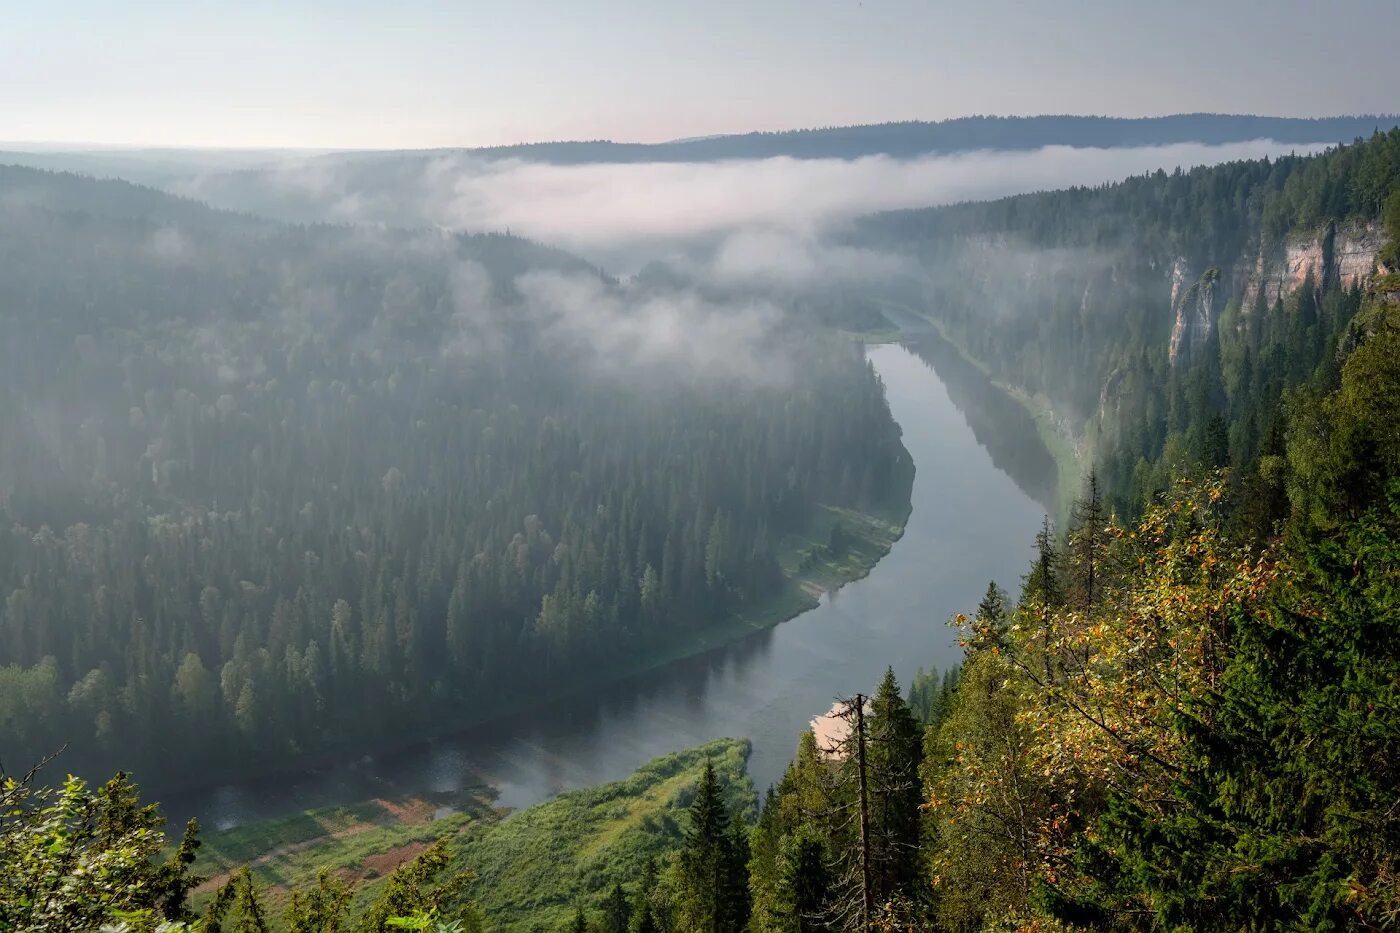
(1074, 295)
(911, 138)
(1175, 725)
(267, 491)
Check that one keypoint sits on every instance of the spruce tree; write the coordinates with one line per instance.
(714, 888)
(895, 751)
(989, 625)
(703, 860)
(805, 886)
(1042, 593)
(737, 899)
(617, 912)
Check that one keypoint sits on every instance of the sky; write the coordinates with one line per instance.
(429, 73)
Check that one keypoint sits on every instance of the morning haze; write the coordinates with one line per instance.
(309, 74)
(679, 467)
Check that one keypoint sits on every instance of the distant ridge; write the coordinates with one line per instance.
(914, 138)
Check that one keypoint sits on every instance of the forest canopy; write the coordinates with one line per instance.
(267, 489)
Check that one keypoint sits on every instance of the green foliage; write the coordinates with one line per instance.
(319, 909)
(1085, 286)
(894, 753)
(274, 491)
(74, 859)
(1208, 743)
(712, 866)
(540, 863)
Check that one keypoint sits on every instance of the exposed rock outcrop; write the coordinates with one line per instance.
(1345, 254)
(1193, 307)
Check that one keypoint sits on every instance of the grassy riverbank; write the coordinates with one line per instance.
(530, 869)
(363, 842)
(809, 568)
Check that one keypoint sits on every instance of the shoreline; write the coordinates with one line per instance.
(875, 536)
(1066, 449)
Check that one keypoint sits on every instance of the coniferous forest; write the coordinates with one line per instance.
(239, 525)
(270, 491)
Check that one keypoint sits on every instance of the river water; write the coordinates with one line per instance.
(971, 522)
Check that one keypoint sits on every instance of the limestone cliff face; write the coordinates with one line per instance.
(1193, 307)
(1340, 253)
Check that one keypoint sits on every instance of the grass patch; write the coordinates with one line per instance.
(359, 843)
(531, 867)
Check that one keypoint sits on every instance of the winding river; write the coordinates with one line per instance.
(971, 522)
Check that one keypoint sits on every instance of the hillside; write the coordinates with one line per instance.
(1155, 315)
(529, 868)
(916, 137)
(273, 493)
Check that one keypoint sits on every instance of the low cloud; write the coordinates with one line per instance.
(625, 214)
(608, 207)
(777, 257)
(741, 238)
(623, 331)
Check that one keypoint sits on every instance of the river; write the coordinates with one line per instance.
(971, 522)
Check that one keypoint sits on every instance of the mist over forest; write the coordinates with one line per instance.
(314, 458)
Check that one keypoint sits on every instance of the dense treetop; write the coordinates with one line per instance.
(269, 489)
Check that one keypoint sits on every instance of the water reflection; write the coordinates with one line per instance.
(1000, 423)
(970, 523)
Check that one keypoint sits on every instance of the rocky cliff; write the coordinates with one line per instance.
(1343, 254)
(1193, 307)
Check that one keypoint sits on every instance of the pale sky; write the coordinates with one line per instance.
(414, 73)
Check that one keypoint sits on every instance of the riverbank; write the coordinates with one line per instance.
(809, 566)
(530, 869)
(1068, 450)
(363, 841)
(970, 522)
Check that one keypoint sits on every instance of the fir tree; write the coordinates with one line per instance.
(1088, 544)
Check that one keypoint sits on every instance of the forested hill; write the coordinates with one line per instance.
(269, 490)
(1162, 317)
(962, 134)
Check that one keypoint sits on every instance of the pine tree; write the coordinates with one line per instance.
(322, 908)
